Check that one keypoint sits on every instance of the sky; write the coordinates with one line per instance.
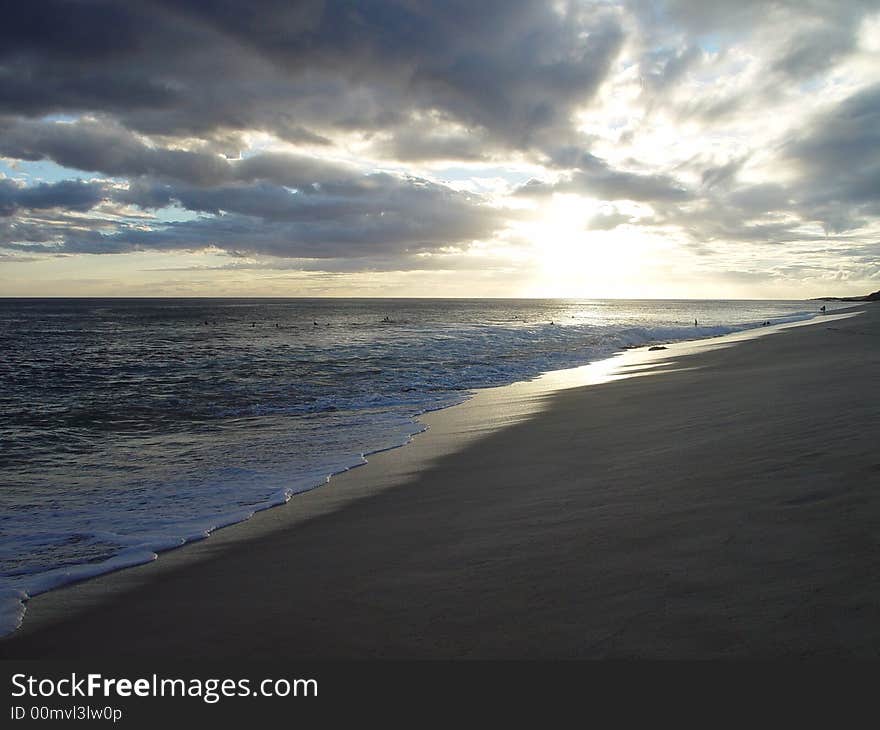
(520, 148)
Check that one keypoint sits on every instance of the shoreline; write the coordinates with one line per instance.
(350, 493)
(526, 391)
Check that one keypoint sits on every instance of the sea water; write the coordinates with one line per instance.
(129, 427)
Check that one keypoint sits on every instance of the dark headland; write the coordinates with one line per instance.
(873, 297)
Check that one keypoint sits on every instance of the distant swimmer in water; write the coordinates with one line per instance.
(386, 319)
(695, 323)
(315, 323)
(822, 309)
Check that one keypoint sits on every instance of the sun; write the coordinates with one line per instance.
(575, 257)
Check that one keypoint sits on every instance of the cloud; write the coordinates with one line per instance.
(321, 129)
(422, 140)
(744, 16)
(843, 146)
(108, 148)
(814, 50)
(70, 195)
(608, 220)
(14, 258)
(838, 157)
(516, 68)
(373, 214)
(735, 59)
(285, 204)
(663, 67)
(595, 177)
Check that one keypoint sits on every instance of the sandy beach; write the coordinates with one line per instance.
(726, 505)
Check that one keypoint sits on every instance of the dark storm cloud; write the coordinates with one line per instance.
(527, 86)
(516, 67)
(68, 194)
(58, 55)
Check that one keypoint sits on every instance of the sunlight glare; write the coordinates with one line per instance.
(573, 260)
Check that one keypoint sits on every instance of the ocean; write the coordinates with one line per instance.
(128, 427)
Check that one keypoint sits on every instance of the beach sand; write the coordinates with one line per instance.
(726, 505)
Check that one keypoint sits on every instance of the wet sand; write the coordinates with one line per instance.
(725, 506)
